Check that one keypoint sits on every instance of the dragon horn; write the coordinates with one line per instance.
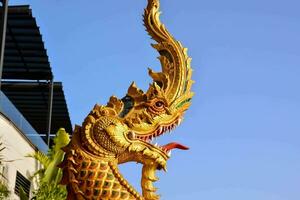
(175, 78)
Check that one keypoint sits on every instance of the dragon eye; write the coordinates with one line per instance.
(159, 104)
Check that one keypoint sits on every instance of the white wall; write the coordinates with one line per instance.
(16, 148)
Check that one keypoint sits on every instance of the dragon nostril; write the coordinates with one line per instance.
(131, 135)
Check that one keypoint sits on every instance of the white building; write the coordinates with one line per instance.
(17, 169)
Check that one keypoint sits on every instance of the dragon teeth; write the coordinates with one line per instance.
(161, 130)
(169, 153)
(179, 121)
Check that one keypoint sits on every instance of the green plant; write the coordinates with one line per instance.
(4, 192)
(1, 149)
(50, 192)
(23, 195)
(50, 175)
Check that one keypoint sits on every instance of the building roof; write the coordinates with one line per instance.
(27, 73)
(31, 99)
(25, 56)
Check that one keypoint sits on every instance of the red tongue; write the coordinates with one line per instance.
(174, 145)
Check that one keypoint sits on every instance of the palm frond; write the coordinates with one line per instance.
(38, 173)
(41, 157)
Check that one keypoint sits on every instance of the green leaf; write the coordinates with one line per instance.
(50, 175)
(50, 192)
(41, 157)
(4, 192)
(56, 156)
(23, 195)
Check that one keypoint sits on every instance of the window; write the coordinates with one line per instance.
(22, 182)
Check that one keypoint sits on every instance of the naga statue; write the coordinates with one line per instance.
(122, 131)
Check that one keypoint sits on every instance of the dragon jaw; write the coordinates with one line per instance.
(160, 130)
(148, 138)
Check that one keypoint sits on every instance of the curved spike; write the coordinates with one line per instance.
(175, 78)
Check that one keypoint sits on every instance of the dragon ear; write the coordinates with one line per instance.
(159, 78)
(155, 91)
(136, 93)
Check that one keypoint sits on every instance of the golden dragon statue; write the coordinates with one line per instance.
(123, 130)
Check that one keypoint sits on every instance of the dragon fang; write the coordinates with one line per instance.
(122, 130)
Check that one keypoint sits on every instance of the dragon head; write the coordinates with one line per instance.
(124, 128)
(150, 115)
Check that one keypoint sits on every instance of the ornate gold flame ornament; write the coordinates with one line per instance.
(123, 130)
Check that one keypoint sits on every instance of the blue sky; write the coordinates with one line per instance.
(244, 125)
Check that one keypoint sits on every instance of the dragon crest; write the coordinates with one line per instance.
(123, 130)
